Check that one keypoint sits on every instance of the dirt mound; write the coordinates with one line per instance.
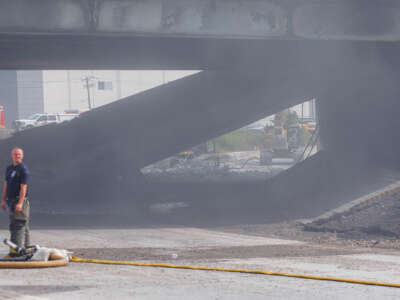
(374, 216)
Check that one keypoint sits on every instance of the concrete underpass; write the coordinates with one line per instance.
(255, 59)
(142, 129)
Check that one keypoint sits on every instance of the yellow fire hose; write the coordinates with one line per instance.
(33, 264)
(138, 264)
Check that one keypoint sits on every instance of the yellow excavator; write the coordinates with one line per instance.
(281, 138)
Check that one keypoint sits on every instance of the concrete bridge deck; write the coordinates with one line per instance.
(176, 34)
(314, 19)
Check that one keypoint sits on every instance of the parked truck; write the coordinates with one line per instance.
(37, 120)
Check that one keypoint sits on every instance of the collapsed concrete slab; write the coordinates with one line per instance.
(98, 155)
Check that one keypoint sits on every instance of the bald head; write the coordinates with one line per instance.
(17, 154)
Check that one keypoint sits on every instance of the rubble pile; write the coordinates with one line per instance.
(374, 216)
(215, 167)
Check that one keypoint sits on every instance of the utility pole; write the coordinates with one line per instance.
(69, 89)
(87, 84)
(118, 79)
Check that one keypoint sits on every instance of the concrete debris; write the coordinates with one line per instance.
(374, 216)
(165, 208)
(216, 167)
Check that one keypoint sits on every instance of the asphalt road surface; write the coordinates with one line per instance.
(205, 247)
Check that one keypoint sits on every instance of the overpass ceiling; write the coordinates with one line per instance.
(25, 52)
(261, 19)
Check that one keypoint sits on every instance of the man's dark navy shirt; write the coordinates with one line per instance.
(15, 176)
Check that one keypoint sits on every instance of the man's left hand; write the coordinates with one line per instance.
(18, 207)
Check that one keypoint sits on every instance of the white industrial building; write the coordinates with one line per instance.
(64, 90)
(54, 91)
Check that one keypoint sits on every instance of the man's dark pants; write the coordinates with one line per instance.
(19, 222)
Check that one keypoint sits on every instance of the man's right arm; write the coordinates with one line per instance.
(3, 196)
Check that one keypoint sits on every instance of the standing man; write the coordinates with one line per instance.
(15, 192)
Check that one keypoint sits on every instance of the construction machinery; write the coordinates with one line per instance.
(282, 138)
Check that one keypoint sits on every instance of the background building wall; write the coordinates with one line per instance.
(24, 93)
(9, 95)
(21, 94)
(305, 110)
(66, 89)
(30, 93)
